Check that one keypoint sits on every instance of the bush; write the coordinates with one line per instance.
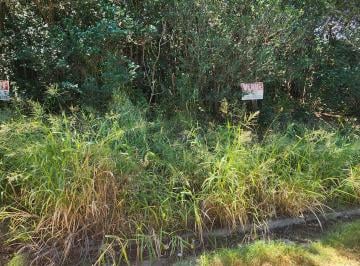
(192, 54)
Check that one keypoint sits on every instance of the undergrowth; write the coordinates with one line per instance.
(81, 187)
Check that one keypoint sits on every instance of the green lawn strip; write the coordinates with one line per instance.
(341, 246)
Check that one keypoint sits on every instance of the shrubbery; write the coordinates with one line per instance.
(191, 53)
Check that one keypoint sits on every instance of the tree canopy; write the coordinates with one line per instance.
(183, 53)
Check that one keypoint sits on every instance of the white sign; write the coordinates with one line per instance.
(252, 91)
(4, 90)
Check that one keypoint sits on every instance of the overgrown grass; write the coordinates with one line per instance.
(340, 247)
(118, 186)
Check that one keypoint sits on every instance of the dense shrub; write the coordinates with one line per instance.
(189, 53)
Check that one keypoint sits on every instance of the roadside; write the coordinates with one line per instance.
(338, 244)
(333, 242)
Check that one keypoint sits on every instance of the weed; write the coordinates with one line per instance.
(117, 187)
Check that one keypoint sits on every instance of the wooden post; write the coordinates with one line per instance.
(254, 104)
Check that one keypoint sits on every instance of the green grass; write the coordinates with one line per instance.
(339, 247)
(124, 181)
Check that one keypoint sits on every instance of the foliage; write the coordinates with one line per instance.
(116, 137)
(75, 48)
(190, 53)
(71, 180)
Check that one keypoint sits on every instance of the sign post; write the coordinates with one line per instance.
(4, 90)
(252, 92)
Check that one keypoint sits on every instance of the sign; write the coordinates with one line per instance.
(4, 90)
(252, 91)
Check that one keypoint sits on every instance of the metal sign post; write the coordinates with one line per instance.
(4, 90)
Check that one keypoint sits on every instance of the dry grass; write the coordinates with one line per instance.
(112, 188)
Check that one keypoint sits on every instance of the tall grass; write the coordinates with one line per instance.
(81, 187)
(286, 174)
